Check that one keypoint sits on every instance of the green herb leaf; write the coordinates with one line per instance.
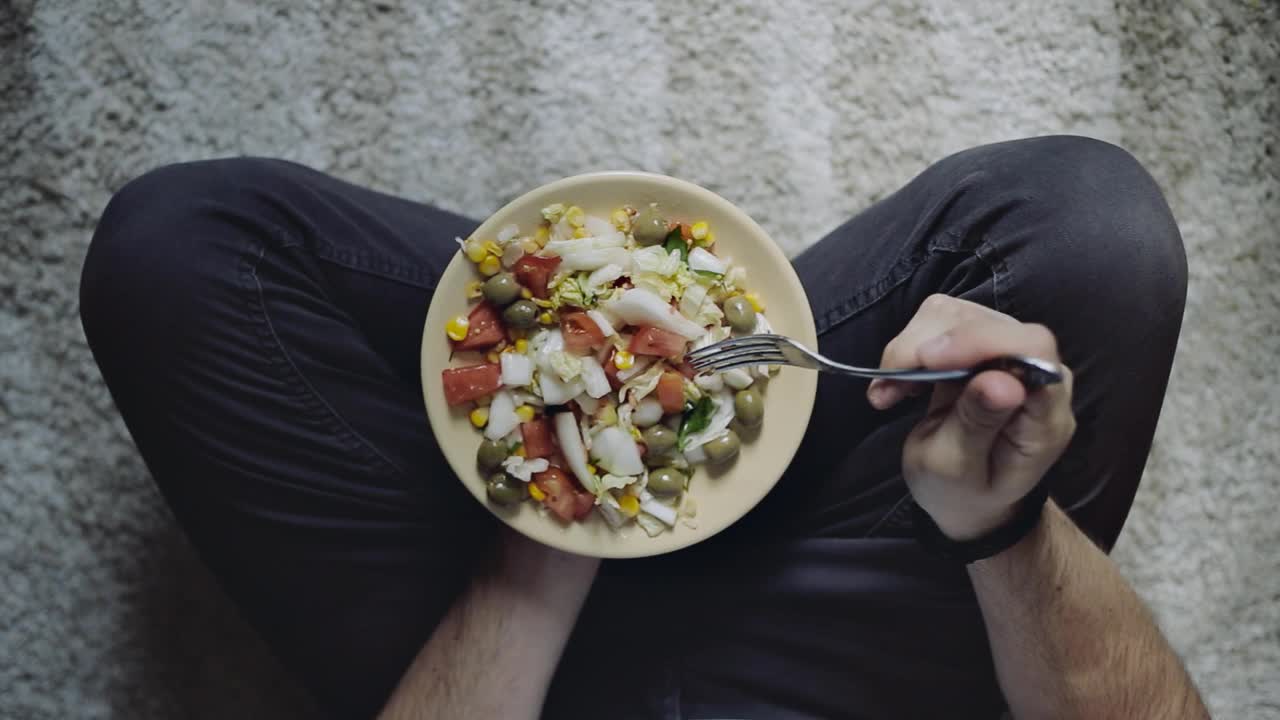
(675, 241)
(708, 274)
(695, 420)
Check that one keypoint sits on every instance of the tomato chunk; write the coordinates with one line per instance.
(583, 501)
(580, 332)
(561, 498)
(537, 438)
(685, 369)
(650, 340)
(485, 329)
(533, 272)
(671, 392)
(611, 371)
(464, 384)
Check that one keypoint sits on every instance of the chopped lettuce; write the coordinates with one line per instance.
(594, 377)
(523, 468)
(715, 425)
(615, 450)
(599, 279)
(569, 291)
(702, 261)
(651, 525)
(657, 260)
(616, 482)
(641, 385)
(698, 307)
(502, 416)
(567, 365)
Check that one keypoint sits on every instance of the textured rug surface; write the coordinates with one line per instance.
(802, 113)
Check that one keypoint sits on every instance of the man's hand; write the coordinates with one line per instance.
(984, 445)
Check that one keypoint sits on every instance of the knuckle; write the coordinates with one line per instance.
(936, 302)
(1042, 339)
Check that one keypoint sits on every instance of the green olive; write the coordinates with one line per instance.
(657, 459)
(658, 439)
(505, 490)
(648, 226)
(521, 314)
(740, 314)
(748, 407)
(723, 448)
(666, 481)
(501, 289)
(491, 454)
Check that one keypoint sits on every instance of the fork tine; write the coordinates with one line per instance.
(760, 342)
(745, 362)
(746, 357)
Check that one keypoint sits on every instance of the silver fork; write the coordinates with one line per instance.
(766, 349)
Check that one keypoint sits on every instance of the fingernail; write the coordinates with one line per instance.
(934, 345)
(875, 395)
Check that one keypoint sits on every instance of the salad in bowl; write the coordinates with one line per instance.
(569, 363)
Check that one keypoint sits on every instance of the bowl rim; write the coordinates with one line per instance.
(786, 277)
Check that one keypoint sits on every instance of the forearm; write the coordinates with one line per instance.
(1069, 636)
(496, 650)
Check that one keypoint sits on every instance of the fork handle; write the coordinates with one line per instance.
(1033, 372)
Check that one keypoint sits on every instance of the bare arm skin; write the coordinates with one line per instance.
(1069, 636)
(496, 650)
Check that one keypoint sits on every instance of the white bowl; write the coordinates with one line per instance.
(722, 495)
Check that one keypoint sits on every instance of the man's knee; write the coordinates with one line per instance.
(1096, 227)
(151, 248)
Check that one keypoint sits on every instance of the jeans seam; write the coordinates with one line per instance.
(860, 301)
(376, 265)
(303, 391)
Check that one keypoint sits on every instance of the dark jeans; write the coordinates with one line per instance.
(258, 324)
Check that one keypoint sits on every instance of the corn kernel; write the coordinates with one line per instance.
(525, 413)
(519, 452)
(526, 293)
(708, 241)
(575, 216)
(543, 303)
(629, 505)
(755, 301)
(457, 327)
(546, 318)
(475, 289)
(580, 233)
(536, 493)
(490, 265)
(492, 356)
(542, 236)
(479, 417)
(522, 346)
(635, 433)
(591, 468)
(529, 245)
(699, 230)
(621, 220)
(493, 248)
(623, 360)
(475, 250)
(552, 213)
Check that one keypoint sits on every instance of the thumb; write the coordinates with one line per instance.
(982, 410)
